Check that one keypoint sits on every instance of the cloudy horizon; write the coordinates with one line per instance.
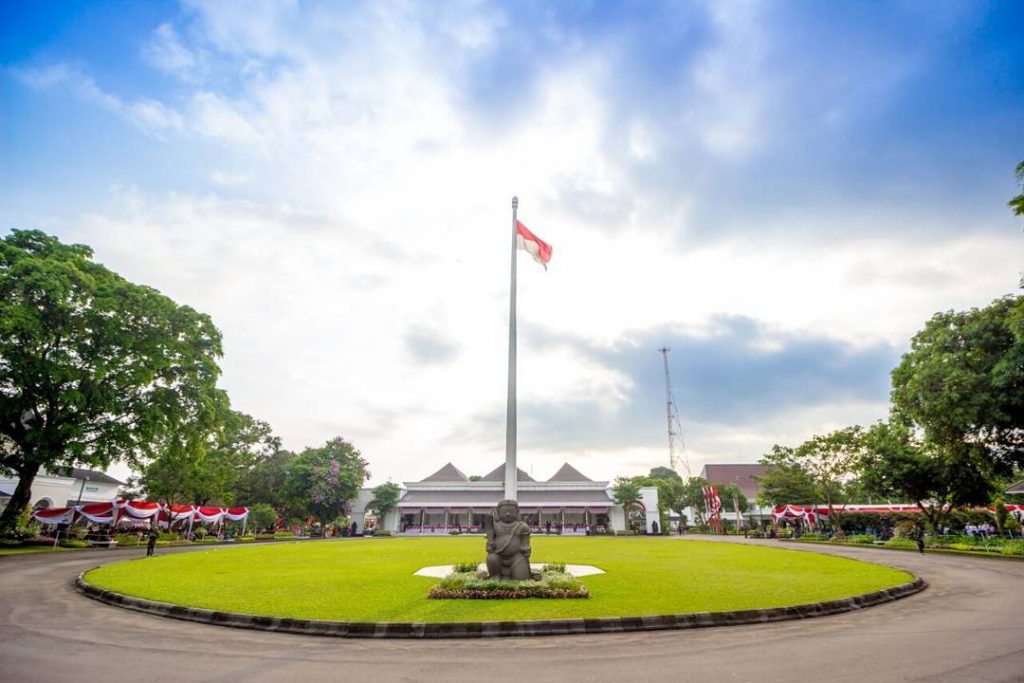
(782, 194)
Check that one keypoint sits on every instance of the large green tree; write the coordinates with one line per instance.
(961, 388)
(323, 481)
(898, 464)
(93, 368)
(211, 472)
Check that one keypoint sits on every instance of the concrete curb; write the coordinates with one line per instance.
(492, 629)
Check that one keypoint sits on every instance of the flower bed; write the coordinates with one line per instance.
(472, 585)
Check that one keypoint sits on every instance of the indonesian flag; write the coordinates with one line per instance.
(538, 248)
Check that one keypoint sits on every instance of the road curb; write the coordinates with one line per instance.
(492, 629)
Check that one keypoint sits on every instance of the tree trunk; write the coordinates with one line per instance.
(20, 500)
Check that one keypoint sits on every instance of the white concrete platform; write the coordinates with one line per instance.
(444, 570)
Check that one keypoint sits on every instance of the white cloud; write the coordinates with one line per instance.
(149, 115)
(352, 242)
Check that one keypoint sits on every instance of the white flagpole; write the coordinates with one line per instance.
(511, 488)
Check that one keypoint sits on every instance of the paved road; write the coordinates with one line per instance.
(968, 626)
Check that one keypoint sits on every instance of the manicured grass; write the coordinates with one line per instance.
(373, 580)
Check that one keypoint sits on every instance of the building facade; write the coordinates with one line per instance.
(568, 503)
(71, 485)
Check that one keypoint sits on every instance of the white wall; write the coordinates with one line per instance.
(59, 490)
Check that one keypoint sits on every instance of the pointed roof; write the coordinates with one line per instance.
(569, 473)
(447, 473)
(498, 474)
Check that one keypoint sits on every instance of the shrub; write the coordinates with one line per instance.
(1013, 548)
(866, 539)
(814, 536)
(557, 568)
(200, 533)
(381, 533)
(900, 542)
(467, 586)
(74, 543)
(463, 567)
(127, 539)
(283, 534)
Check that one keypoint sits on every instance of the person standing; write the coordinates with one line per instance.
(151, 542)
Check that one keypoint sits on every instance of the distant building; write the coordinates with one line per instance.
(447, 500)
(1016, 488)
(52, 489)
(746, 477)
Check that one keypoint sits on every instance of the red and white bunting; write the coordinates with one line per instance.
(236, 514)
(139, 509)
(210, 515)
(99, 513)
(54, 516)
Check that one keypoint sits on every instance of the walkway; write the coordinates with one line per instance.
(968, 626)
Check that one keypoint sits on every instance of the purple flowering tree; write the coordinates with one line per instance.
(323, 481)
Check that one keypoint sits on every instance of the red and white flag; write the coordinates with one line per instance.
(538, 248)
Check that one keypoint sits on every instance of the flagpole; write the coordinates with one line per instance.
(511, 492)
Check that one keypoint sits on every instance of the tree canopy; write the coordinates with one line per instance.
(93, 368)
(385, 498)
(323, 481)
(212, 471)
(962, 387)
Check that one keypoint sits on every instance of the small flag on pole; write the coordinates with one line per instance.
(538, 248)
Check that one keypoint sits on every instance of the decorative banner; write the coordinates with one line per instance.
(54, 516)
(139, 509)
(210, 515)
(99, 513)
(179, 513)
(236, 514)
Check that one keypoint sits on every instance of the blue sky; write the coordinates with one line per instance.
(781, 192)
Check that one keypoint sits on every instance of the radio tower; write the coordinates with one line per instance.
(676, 447)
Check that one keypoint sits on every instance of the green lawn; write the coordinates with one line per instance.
(373, 580)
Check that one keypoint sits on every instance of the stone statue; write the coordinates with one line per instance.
(508, 544)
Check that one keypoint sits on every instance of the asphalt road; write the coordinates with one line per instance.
(967, 626)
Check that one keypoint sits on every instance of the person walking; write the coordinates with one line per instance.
(918, 534)
(151, 542)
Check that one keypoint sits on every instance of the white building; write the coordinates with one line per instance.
(61, 490)
(567, 503)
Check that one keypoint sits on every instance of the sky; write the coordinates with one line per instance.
(780, 193)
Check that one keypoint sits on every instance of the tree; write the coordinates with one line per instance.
(262, 516)
(93, 368)
(210, 472)
(323, 481)
(830, 462)
(785, 482)
(626, 491)
(266, 481)
(385, 499)
(692, 496)
(897, 462)
(962, 387)
(1017, 203)
(664, 473)
(732, 498)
